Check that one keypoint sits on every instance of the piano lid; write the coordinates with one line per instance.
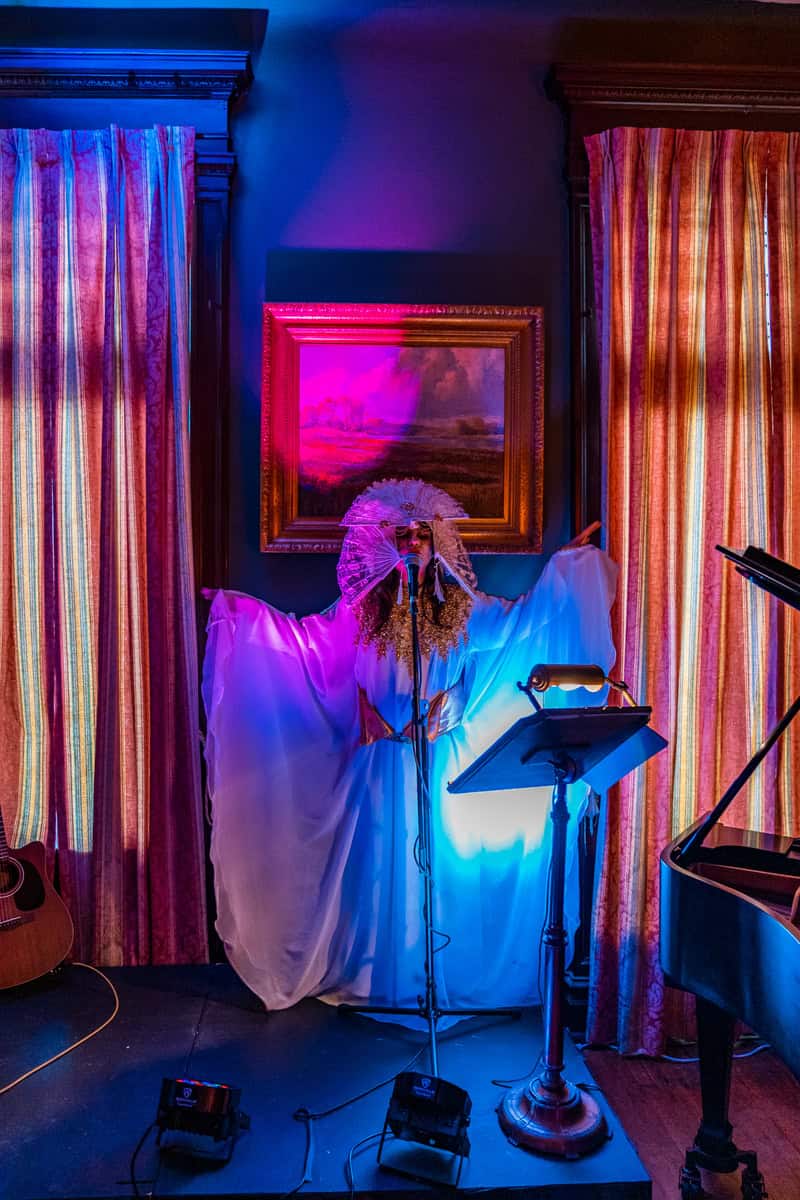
(782, 580)
(767, 572)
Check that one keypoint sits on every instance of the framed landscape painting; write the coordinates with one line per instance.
(355, 393)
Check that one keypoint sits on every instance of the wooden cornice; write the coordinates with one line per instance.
(679, 87)
(597, 96)
(168, 74)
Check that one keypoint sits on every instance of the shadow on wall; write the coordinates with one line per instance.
(340, 276)
(407, 278)
(714, 31)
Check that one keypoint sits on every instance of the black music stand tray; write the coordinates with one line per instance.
(554, 747)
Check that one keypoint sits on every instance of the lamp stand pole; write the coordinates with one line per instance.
(548, 1113)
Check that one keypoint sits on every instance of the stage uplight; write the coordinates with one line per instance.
(205, 1117)
(429, 1112)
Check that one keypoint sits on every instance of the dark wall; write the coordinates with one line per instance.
(410, 154)
(407, 153)
(400, 157)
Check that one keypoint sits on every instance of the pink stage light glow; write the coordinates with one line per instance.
(405, 409)
(353, 393)
(355, 401)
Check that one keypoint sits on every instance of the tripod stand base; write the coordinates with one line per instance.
(565, 1121)
(366, 1008)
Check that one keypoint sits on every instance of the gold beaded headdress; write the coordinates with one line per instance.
(369, 552)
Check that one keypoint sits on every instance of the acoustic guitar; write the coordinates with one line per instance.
(35, 928)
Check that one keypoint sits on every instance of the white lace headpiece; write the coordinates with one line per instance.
(369, 552)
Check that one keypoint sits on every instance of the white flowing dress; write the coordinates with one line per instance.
(313, 832)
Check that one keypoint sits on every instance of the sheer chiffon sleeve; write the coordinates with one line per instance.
(564, 618)
(281, 725)
(317, 888)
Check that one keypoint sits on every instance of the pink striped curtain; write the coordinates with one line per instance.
(697, 275)
(98, 672)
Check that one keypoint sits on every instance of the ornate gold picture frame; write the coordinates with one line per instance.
(354, 393)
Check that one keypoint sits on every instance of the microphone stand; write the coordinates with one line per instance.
(423, 855)
(428, 1005)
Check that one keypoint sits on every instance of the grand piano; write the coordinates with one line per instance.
(730, 934)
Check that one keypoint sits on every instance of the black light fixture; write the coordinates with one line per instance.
(199, 1109)
(432, 1113)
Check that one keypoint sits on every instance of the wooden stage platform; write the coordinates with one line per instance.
(68, 1132)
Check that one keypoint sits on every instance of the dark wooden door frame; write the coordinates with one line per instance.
(601, 96)
(137, 88)
(184, 87)
(596, 97)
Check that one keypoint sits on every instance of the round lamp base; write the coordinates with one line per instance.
(565, 1122)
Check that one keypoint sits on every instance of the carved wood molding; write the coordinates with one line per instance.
(168, 74)
(355, 313)
(644, 86)
(215, 168)
(689, 96)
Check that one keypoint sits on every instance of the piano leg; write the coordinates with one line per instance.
(714, 1149)
(715, 1047)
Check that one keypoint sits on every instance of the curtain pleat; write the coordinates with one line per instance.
(97, 635)
(693, 414)
(783, 205)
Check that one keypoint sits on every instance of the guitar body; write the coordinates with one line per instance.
(35, 928)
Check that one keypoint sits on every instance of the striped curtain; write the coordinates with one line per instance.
(98, 672)
(696, 252)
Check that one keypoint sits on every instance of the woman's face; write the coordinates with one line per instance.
(416, 538)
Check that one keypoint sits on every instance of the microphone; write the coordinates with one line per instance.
(411, 562)
(567, 676)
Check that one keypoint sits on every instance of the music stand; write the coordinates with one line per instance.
(555, 747)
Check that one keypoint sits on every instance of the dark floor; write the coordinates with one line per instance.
(68, 1132)
(659, 1105)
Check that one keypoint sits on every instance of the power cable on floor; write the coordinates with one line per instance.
(371, 1138)
(135, 1155)
(307, 1118)
(80, 1042)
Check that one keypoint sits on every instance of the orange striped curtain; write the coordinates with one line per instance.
(697, 277)
(98, 676)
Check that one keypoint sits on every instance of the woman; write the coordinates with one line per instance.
(312, 776)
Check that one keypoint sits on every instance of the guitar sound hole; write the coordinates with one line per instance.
(10, 877)
(32, 894)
